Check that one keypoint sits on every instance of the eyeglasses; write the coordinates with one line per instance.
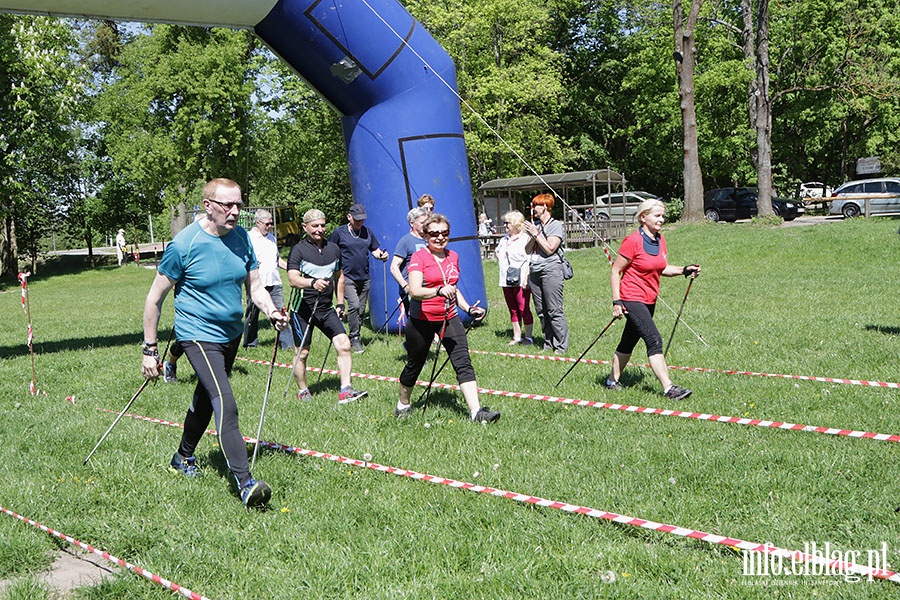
(269, 224)
(441, 233)
(506, 222)
(227, 206)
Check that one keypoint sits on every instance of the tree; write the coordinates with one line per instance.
(179, 113)
(596, 111)
(756, 48)
(299, 157)
(509, 76)
(830, 92)
(684, 66)
(40, 88)
(835, 85)
(87, 217)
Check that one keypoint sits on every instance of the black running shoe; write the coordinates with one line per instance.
(486, 415)
(677, 393)
(255, 493)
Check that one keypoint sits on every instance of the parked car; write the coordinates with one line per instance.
(814, 189)
(850, 198)
(619, 206)
(733, 203)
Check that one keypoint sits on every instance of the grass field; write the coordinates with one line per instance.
(818, 301)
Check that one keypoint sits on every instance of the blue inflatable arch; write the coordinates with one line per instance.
(402, 124)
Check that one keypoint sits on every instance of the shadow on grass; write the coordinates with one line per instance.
(631, 378)
(444, 399)
(886, 329)
(63, 264)
(215, 460)
(69, 345)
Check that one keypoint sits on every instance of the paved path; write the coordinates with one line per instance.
(146, 250)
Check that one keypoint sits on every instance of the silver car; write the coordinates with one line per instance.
(850, 199)
(619, 207)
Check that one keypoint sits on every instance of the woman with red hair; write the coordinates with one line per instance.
(546, 276)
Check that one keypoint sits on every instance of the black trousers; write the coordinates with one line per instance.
(212, 363)
(419, 336)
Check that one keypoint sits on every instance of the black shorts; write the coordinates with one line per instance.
(325, 320)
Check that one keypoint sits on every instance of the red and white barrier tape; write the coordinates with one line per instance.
(882, 437)
(884, 384)
(795, 555)
(606, 251)
(26, 306)
(106, 555)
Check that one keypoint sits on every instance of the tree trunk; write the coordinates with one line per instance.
(684, 67)
(755, 44)
(748, 46)
(90, 245)
(763, 111)
(9, 254)
(178, 218)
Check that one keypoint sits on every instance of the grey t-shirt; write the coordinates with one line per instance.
(539, 259)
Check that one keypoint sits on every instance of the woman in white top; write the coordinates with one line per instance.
(514, 255)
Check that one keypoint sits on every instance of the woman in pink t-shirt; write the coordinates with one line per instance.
(433, 275)
(635, 286)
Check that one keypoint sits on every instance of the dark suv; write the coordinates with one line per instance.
(733, 203)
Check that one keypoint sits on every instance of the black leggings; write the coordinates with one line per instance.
(419, 336)
(639, 325)
(212, 363)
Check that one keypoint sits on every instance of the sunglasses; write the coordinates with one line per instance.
(441, 233)
(227, 206)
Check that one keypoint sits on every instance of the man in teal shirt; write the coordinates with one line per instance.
(207, 264)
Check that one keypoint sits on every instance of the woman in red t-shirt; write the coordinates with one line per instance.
(635, 286)
(433, 274)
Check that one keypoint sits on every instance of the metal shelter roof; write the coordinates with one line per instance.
(554, 180)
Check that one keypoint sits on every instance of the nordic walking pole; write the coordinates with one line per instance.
(324, 362)
(384, 287)
(575, 364)
(678, 316)
(262, 414)
(124, 410)
(300, 349)
(437, 351)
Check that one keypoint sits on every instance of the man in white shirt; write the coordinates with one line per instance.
(121, 256)
(266, 249)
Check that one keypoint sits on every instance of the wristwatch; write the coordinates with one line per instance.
(149, 348)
